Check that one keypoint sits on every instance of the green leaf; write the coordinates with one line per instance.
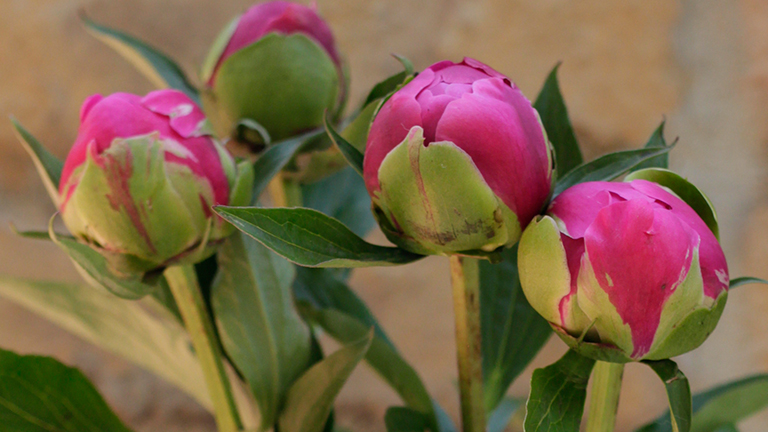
(260, 329)
(402, 419)
(382, 357)
(390, 84)
(656, 141)
(96, 269)
(513, 333)
(275, 158)
(350, 152)
(309, 238)
(310, 399)
(558, 391)
(678, 393)
(48, 166)
(727, 428)
(745, 281)
(342, 196)
(157, 67)
(718, 409)
(39, 394)
(554, 117)
(501, 416)
(141, 332)
(323, 290)
(608, 167)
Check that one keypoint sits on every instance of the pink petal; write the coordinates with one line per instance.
(714, 268)
(123, 115)
(391, 125)
(88, 104)
(498, 128)
(574, 251)
(640, 254)
(185, 117)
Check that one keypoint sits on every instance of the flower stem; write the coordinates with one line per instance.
(284, 192)
(604, 401)
(189, 298)
(465, 278)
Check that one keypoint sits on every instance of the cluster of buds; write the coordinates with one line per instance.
(457, 162)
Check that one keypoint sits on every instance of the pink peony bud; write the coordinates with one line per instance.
(457, 160)
(142, 177)
(276, 65)
(630, 263)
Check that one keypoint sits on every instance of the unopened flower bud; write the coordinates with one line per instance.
(276, 65)
(457, 160)
(629, 267)
(141, 178)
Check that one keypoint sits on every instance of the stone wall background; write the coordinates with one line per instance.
(701, 64)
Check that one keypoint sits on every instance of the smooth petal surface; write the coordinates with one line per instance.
(660, 248)
(504, 139)
(479, 111)
(714, 267)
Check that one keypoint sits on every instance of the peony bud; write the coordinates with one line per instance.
(277, 65)
(457, 161)
(628, 266)
(139, 183)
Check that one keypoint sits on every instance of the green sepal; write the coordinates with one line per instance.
(283, 82)
(593, 350)
(99, 269)
(684, 189)
(425, 205)
(217, 48)
(691, 332)
(129, 215)
(543, 267)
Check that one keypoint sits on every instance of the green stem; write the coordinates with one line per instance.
(465, 278)
(189, 298)
(285, 193)
(606, 386)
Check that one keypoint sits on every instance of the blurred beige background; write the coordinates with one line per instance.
(702, 64)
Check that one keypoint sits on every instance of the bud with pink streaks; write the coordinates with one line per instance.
(140, 180)
(630, 267)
